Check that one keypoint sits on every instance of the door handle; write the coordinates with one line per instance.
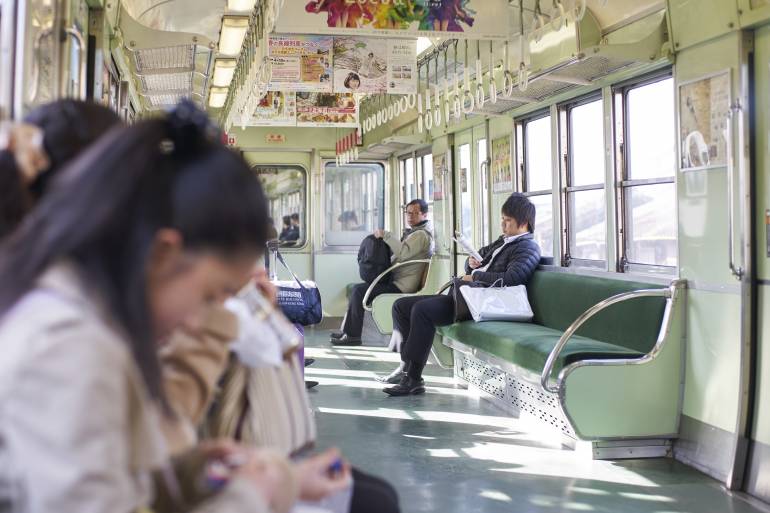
(75, 34)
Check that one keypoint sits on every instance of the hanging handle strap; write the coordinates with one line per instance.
(283, 262)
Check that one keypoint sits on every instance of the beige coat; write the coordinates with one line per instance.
(418, 245)
(193, 361)
(78, 432)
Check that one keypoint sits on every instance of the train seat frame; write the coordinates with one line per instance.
(603, 390)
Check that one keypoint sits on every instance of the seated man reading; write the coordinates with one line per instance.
(416, 243)
(512, 258)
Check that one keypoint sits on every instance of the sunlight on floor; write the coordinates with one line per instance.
(337, 373)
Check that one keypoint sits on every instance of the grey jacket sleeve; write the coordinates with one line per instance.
(414, 247)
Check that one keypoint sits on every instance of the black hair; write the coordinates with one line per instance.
(286, 220)
(68, 126)
(352, 76)
(295, 216)
(106, 207)
(421, 203)
(521, 209)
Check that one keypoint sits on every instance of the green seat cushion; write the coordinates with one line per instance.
(528, 345)
(557, 299)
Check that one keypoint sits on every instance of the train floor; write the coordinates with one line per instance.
(449, 452)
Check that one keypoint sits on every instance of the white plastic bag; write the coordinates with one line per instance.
(498, 303)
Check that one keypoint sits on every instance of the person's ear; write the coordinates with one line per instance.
(166, 253)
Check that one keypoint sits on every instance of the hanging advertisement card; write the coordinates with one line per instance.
(360, 65)
(301, 63)
(402, 66)
(473, 19)
(502, 172)
(277, 108)
(322, 109)
(375, 66)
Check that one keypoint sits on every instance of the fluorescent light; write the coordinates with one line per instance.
(218, 97)
(233, 31)
(224, 69)
(241, 5)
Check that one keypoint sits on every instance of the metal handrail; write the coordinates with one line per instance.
(382, 275)
(75, 34)
(585, 316)
(735, 111)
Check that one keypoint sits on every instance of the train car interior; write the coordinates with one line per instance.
(601, 165)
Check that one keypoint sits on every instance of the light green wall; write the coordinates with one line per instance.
(713, 318)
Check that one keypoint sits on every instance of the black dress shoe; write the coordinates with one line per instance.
(408, 386)
(310, 384)
(309, 362)
(394, 378)
(346, 341)
(337, 335)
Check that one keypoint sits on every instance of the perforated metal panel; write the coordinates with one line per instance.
(513, 392)
(595, 67)
(171, 57)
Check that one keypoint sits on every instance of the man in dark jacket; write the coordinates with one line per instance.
(512, 258)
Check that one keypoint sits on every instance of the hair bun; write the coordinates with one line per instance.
(188, 128)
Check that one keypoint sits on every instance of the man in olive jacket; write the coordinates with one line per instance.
(415, 244)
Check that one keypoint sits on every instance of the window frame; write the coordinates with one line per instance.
(567, 175)
(341, 248)
(418, 177)
(305, 219)
(521, 153)
(625, 184)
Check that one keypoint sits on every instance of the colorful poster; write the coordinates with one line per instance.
(440, 172)
(704, 106)
(322, 109)
(502, 171)
(360, 65)
(472, 19)
(374, 65)
(277, 108)
(301, 63)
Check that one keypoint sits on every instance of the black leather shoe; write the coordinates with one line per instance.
(310, 384)
(337, 335)
(408, 386)
(346, 341)
(309, 362)
(394, 378)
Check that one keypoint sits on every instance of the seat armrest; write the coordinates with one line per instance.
(365, 301)
(669, 293)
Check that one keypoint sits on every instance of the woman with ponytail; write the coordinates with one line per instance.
(127, 246)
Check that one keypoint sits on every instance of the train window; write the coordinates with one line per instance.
(466, 200)
(483, 170)
(647, 153)
(585, 177)
(533, 143)
(285, 187)
(355, 202)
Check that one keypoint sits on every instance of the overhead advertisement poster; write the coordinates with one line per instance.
(321, 109)
(277, 108)
(301, 63)
(472, 19)
(372, 65)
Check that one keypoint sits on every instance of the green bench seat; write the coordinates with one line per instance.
(528, 345)
(617, 377)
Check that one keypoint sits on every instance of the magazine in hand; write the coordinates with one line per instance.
(466, 245)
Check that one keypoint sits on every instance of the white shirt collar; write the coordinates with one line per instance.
(512, 238)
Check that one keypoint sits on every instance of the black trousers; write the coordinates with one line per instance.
(354, 320)
(372, 495)
(417, 318)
